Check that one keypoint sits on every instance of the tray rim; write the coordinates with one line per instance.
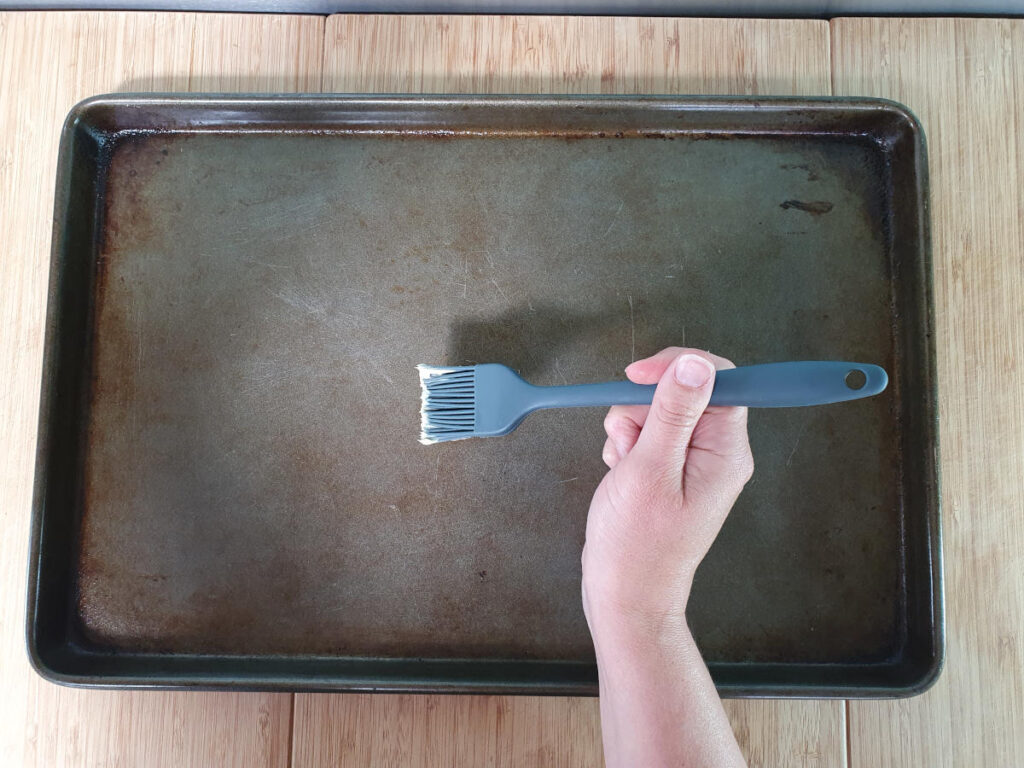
(55, 669)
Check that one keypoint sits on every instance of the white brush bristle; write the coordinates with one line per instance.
(447, 401)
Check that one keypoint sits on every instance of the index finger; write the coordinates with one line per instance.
(651, 369)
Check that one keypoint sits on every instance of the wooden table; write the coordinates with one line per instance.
(964, 79)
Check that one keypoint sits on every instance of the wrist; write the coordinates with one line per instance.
(636, 619)
(626, 648)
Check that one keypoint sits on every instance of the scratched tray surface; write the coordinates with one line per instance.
(231, 490)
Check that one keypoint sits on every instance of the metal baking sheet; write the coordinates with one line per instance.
(229, 487)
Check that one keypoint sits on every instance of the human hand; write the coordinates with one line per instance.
(676, 469)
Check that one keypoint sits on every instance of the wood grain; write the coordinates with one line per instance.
(495, 731)
(964, 79)
(492, 54)
(492, 731)
(48, 61)
(547, 54)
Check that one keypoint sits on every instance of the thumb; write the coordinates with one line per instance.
(679, 401)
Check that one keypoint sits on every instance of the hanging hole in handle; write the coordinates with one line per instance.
(856, 379)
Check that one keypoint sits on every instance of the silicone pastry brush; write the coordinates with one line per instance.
(491, 399)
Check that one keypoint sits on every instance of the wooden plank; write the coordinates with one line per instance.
(48, 61)
(964, 78)
(496, 731)
(459, 54)
(565, 54)
(394, 730)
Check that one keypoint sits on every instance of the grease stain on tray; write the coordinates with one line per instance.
(813, 207)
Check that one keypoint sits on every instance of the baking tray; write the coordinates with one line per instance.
(229, 488)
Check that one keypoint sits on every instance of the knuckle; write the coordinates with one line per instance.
(611, 421)
(745, 465)
(676, 414)
(609, 456)
(736, 418)
(736, 468)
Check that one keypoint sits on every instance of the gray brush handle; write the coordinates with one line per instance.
(771, 385)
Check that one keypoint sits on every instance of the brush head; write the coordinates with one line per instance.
(447, 403)
(483, 400)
